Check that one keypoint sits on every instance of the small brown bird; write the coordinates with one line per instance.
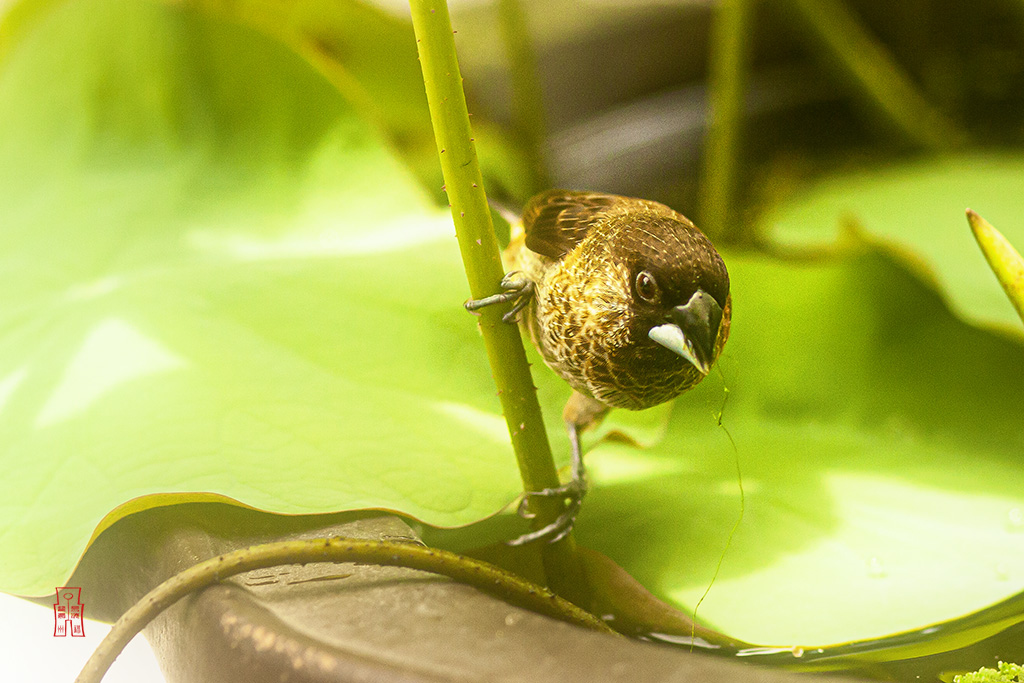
(624, 298)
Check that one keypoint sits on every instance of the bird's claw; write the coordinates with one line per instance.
(554, 532)
(572, 492)
(517, 288)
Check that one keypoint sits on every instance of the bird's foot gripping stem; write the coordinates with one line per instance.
(517, 288)
(572, 492)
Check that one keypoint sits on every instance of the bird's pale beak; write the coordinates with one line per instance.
(691, 330)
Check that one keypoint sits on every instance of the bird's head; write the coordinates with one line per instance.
(680, 290)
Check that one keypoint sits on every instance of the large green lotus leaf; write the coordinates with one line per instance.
(369, 54)
(916, 210)
(365, 52)
(882, 458)
(216, 281)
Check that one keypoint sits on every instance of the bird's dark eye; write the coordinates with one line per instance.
(647, 287)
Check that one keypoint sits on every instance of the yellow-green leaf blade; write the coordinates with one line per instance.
(1006, 261)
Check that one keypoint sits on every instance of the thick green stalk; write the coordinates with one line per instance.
(527, 96)
(727, 82)
(484, 576)
(475, 232)
(873, 71)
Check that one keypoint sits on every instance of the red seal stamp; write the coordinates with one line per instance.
(68, 610)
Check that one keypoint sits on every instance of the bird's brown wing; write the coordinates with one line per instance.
(557, 220)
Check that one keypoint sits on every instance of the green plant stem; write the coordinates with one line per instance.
(484, 576)
(527, 96)
(873, 71)
(727, 82)
(464, 185)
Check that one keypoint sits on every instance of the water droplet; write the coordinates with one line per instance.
(876, 570)
(798, 652)
(1015, 519)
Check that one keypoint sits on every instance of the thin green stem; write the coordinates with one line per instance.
(484, 576)
(727, 82)
(464, 185)
(875, 73)
(527, 96)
